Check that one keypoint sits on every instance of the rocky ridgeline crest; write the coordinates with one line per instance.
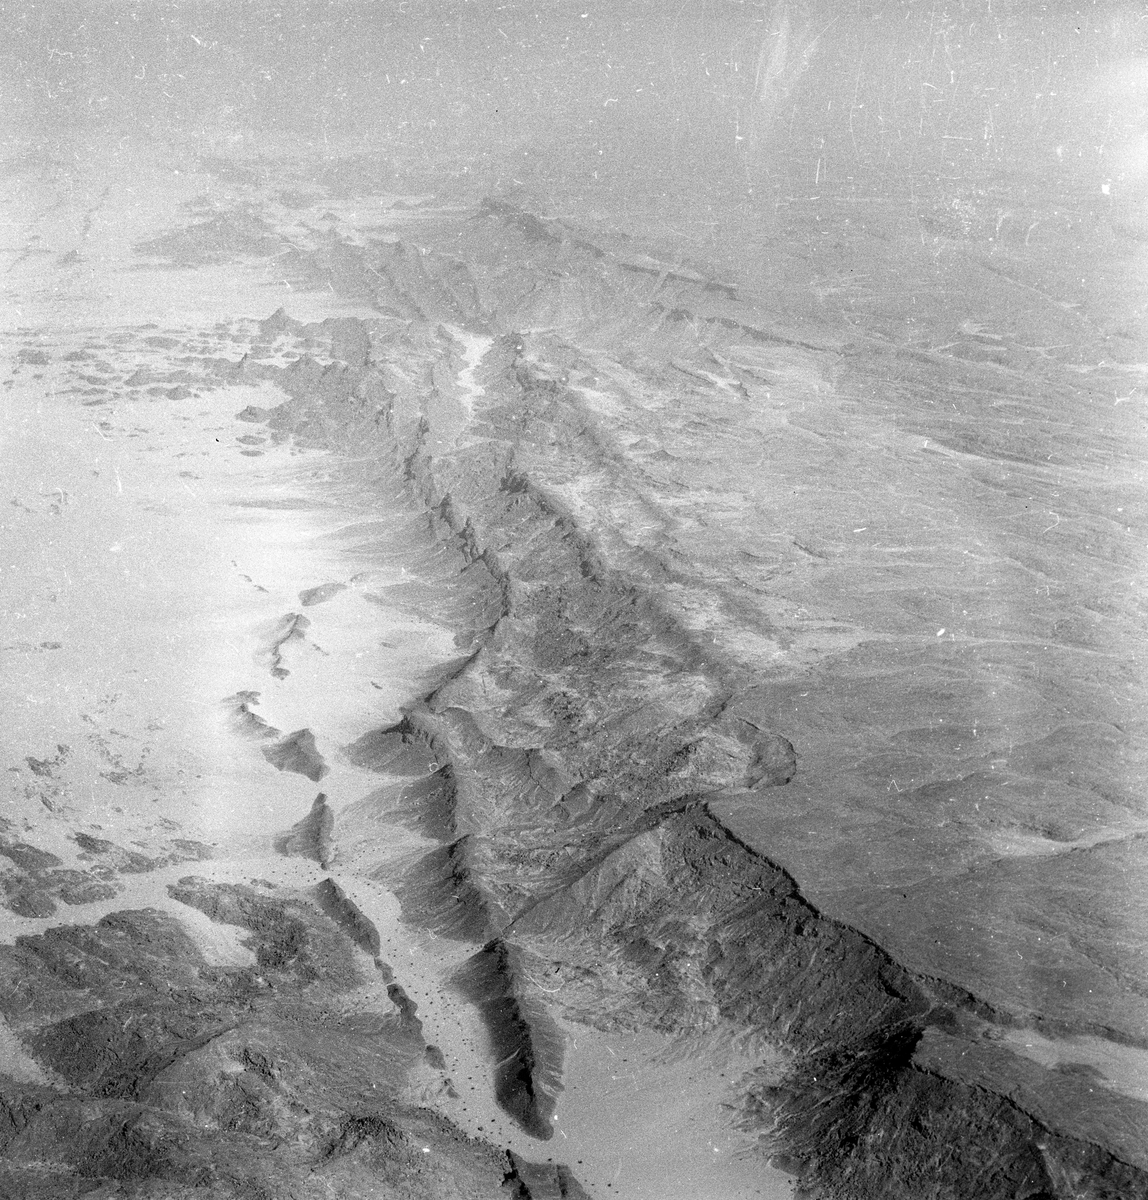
(577, 747)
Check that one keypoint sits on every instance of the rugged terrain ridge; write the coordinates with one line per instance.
(577, 748)
(567, 771)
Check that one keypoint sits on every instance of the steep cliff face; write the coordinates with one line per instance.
(587, 744)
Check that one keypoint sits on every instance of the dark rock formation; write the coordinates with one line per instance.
(444, 892)
(400, 750)
(244, 721)
(527, 1045)
(297, 752)
(320, 594)
(180, 1079)
(348, 916)
(543, 1181)
(37, 880)
(314, 836)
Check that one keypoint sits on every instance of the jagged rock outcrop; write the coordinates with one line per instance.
(244, 720)
(314, 836)
(527, 1045)
(297, 752)
(165, 1075)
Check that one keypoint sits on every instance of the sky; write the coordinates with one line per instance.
(825, 91)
